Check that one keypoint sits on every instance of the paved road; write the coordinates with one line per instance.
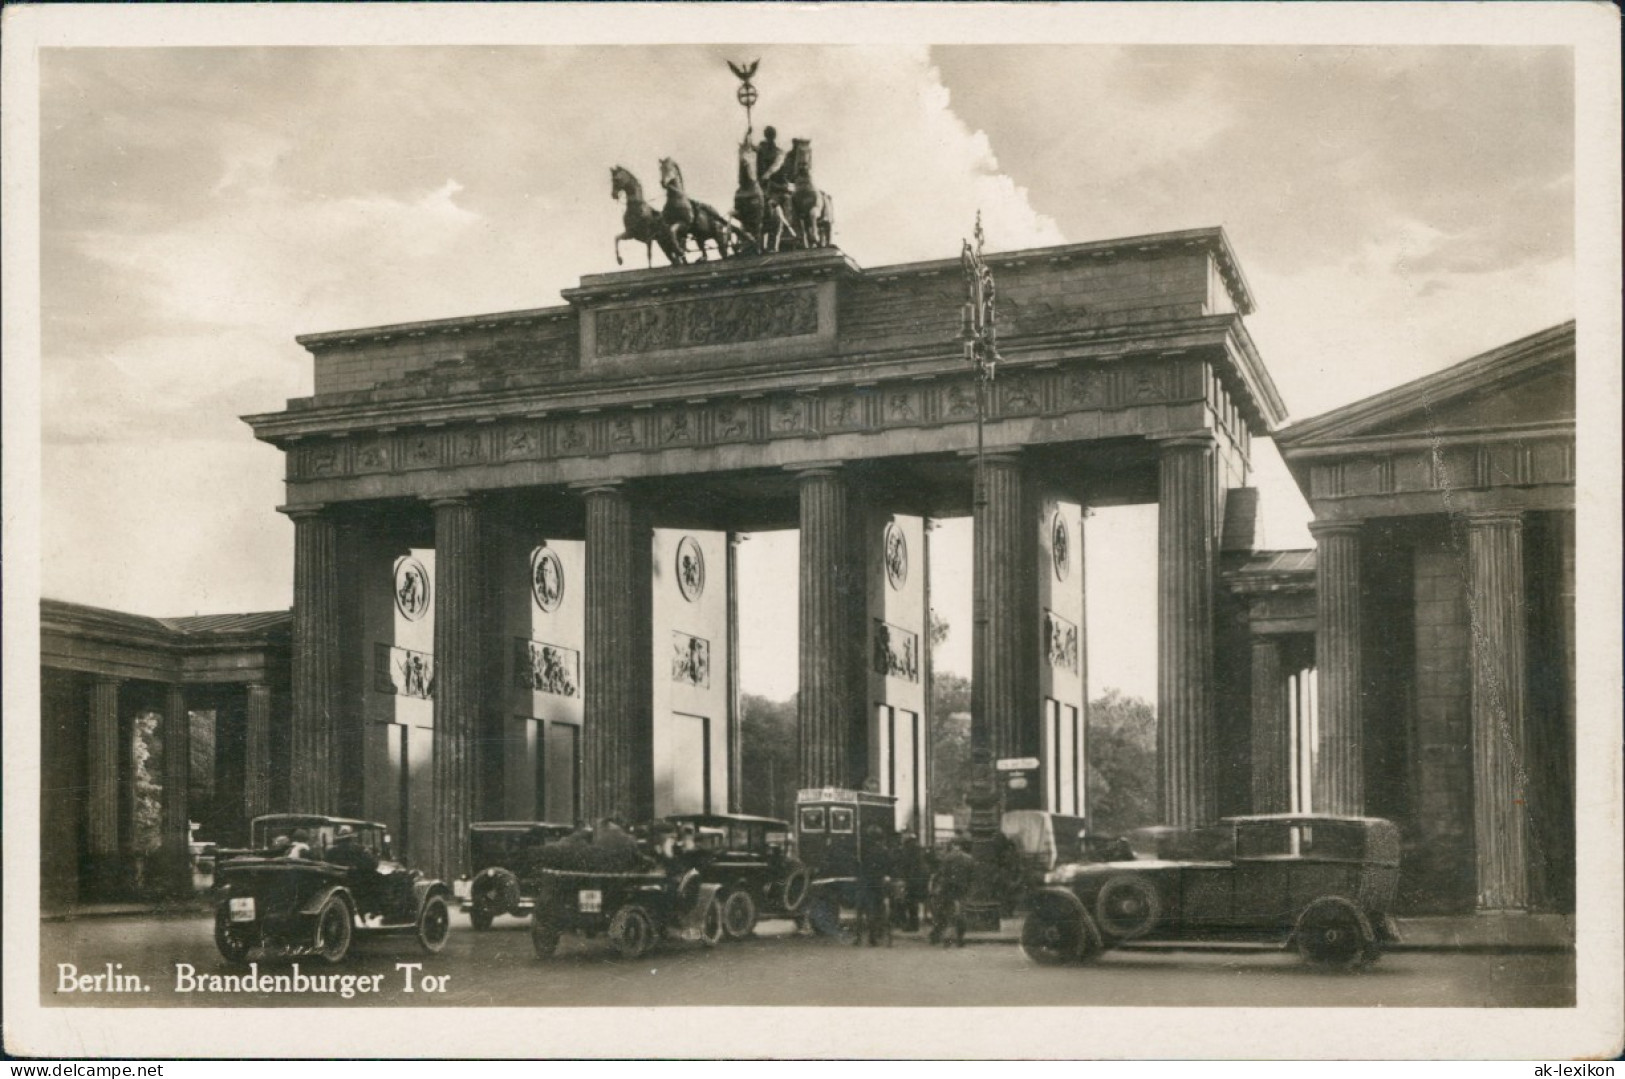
(498, 968)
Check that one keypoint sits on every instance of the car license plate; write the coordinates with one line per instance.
(591, 901)
(462, 888)
(242, 910)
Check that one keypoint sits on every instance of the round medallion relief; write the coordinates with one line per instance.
(1060, 546)
(546, 578)
(411, 588)
(690, 568)
(896, 554)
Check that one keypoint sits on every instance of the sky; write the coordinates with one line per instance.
(1395, 210)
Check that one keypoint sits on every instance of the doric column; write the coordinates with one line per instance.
(1272, 743)
(314, 782)
(1004, 711)
(1339, 775)
(1495, 605)
(102, 766)
(457, 679)
(174, 825)
(1185, 545)
(830, 705)
(256, 750)
(736, 756)
(617, 768)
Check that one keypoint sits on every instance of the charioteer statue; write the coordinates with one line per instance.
(777, 206)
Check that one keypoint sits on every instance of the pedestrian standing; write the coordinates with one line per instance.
(873, 884)
(953, 883)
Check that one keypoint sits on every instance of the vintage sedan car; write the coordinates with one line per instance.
(633, 908)
(500, 855)
(750, 861)
(274, 906)
(1320, 883)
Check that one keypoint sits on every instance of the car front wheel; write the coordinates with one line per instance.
(738, 914)
(333, 930)
(1052, 935)
(631, 932)
(233, 947)
(434, 924)
(1331, 937)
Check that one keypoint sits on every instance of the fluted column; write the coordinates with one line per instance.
(174, 825)
(1272, 743)
(736, 755)
(313, 785)
(1339, 774)
(257, 751)
(102, 767)
(1495, 605)
(830, 702)
(1185, 546)
(617, 766)
(1004, 710)
(456, 677)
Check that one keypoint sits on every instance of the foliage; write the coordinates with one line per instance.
(950, 740)
(1122, 752)
(768, 765)
(146, 755)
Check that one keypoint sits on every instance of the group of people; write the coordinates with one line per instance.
(894, 885)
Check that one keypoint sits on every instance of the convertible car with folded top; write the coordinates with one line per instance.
(311, 885)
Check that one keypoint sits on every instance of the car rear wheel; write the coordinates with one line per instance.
(233, 947)
(1331, 937)
(1127, 907)
(434, 924)
(544, 934)
(738, 914)
(333, 930)
(631, 932)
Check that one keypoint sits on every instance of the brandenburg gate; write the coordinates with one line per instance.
(514, 588)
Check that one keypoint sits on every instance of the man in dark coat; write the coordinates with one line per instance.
(916, 880)
(874, 882)
(948, 897)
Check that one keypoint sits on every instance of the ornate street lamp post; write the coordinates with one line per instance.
(980, 337)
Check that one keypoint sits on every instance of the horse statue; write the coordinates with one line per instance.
(812, 211)
(763, 222)
(687, 218)
(641, 221)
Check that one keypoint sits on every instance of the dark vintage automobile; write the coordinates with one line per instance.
(275, 906)
(1322, 884)
(501, 855)
(633, 908)
(833, 828)
(750, 861)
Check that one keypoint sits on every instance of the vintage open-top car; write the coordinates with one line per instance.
(1044, 841)
(500, 855)
(833, 828)
(633, 908)
(749, 859)
(1320, 883)
(273, 905)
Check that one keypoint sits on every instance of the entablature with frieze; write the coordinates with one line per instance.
(1529, 466)
(1031, 402)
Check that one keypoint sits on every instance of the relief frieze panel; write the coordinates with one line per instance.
(837, 410)
(700, 323)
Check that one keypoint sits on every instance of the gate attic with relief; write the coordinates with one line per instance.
(515, 565)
